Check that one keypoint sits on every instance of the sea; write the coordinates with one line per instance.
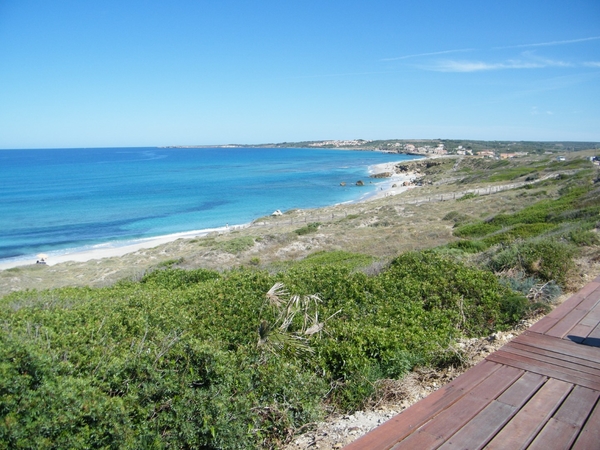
(58, 201)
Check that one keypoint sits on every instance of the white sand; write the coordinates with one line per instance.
(384, 185)
(110, 250)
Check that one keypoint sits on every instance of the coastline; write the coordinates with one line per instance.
(384, 188)
(392, 185)
(111, 249)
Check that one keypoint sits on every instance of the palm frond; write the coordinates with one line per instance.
(276, 295)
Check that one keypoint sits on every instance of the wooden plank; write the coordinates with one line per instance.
(420, 440)
(525, 425)
(587, 289)
(555, 434)
(558, 346)
(562, 429)
(549, 370)
(590, 300)
(589, 438)
(573, 302)
(564, 325)
(576, 408)
(551, 354)
(453, 418)
(543, 325)
(566, 306)
(408, 421)
(483, 427)
(522, 389)
(578, 333)
(562, 363)
(593, 339)
(595, 333)
(593, 317)
(490, 421)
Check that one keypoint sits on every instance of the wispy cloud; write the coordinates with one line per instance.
(551, 43)
(536, 112)
(592, 64)
(341, 74)
(418, 55)
(479, 66)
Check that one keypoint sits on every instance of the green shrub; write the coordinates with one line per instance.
(178, 278)
(511, 173)
(173, 360)
(467, 196)
(546, 259)
(520, 231)
(469, 246)
(339, 258)
(169, 263)
(310, 228)
(532, 288)
(478, 229)
(236, 245)
(584, 238)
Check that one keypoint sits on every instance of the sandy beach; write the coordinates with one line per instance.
(392, 185)
(112, 249)
(385, 187)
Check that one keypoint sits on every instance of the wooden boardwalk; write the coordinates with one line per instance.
(539, 391)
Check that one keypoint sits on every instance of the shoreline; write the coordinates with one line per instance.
(113, 249)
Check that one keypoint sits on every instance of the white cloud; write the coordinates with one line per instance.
(592, 64)
(550, 43)
(479, 66)
(417, 55)
(536, 112)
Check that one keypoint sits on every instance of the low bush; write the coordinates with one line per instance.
(478, 229)
(546, 259)
(236, 245)
(469, 246)
(584, 238)
(532, 288)
(520, 231)
(310, 228)
(467, 196)
(174, 360)
(457, 218)
(511, 173)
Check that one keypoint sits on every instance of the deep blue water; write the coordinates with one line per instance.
(63, 199)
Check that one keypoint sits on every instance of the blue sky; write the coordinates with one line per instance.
(143, 73)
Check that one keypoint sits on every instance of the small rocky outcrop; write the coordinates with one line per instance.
(416, 166)
(382, 175)
(360, 183)
(343, 183)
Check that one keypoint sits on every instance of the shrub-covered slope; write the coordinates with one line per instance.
(174, 361)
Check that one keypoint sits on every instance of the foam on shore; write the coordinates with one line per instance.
(111, 249)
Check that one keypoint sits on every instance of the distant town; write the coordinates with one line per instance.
(432, 147)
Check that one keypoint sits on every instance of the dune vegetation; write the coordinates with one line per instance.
(246, 353)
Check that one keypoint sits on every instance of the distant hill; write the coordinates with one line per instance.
(451, 146)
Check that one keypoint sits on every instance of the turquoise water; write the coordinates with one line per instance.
(68, 199)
